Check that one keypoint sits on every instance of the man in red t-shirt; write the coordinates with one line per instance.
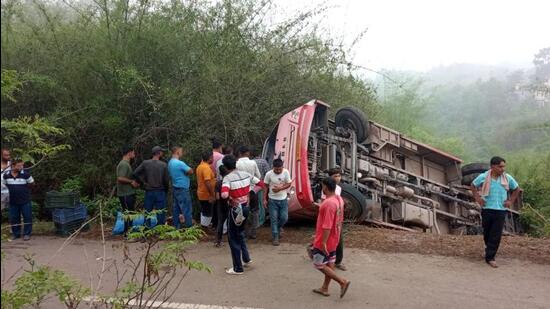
(327, 236)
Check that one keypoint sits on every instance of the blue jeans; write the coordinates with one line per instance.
(237, 242)
(156, 200)
(182, 205)
(15, 213)
(278, 215)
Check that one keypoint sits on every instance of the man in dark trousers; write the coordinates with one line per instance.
(492, 192)
(125, 184)
(18, 182)
(154, 174)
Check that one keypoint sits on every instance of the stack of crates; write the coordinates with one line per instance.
(68, 213)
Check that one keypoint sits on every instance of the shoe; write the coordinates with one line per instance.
(251, 237)
(247, 264)
(341, 267)
(27, 237)
(230, 271)
(13, 237)
(275, 242)
(217, 244)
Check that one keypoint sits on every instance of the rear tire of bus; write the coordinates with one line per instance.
(355, 204)
(474, 168)
(354, 119)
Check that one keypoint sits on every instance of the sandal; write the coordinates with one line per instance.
(321, 292)
(344, 289)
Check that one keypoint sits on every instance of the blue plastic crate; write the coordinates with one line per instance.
(66, 229)
(66, 215)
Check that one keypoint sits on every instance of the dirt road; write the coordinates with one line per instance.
(282, 277)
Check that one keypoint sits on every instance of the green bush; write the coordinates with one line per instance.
(73, 184)
(110, 206)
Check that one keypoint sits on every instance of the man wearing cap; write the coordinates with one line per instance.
(154, 175)
(180, 172)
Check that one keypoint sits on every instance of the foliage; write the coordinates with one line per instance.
(159, 264)
(29, 138)
(531, 171)
(72, 184)
(10, 84)
(537, 221)
(34, 285)
(219, 69)
(109, 206)
(542, 67)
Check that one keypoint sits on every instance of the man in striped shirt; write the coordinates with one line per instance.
(18, 182)
(236, 187)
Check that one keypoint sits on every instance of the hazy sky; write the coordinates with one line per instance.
(421, 34)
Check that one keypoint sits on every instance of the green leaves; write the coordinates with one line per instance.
(31, 137)
(36, 284)
(10, 84)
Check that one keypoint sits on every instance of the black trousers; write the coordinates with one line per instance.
(493, 223)
(222, 209)
(340, 249)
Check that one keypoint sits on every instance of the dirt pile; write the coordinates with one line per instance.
(536, 250)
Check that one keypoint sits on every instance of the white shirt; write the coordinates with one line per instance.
(274, 180)
(246, 165)
(337, 191)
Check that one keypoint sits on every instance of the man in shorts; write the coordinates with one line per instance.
(327, 236)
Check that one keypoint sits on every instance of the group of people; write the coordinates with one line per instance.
(234, 189)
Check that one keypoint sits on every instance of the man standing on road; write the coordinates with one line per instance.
(236, 186)
(154, 174)
(179, 172)
(336, 174)
(244, 164)
(491, 190)
(125, 185)
(18, 182)
(327, 235)
(206, 182)
(277, 182)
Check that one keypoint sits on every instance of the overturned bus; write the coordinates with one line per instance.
(388, 179)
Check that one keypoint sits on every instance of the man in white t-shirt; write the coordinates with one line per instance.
(277, 183)
(244, 164)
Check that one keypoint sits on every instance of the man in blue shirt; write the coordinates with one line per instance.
(179, 172)
(491, 190)
(18, 180)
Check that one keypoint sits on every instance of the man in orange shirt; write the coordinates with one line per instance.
(206, 183)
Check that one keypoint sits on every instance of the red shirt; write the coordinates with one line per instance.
(331, 216)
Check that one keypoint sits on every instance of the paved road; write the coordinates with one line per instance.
(282, 277)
